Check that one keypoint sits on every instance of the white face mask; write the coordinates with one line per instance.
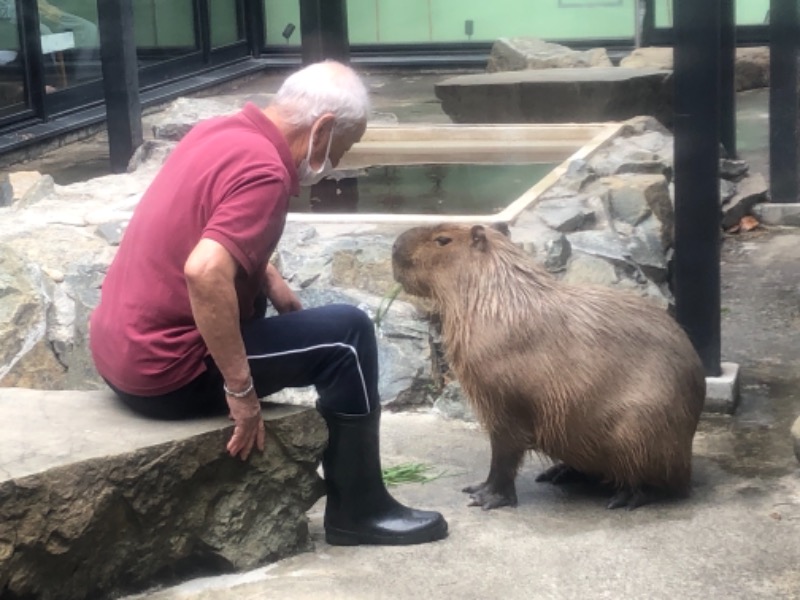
(306, 174)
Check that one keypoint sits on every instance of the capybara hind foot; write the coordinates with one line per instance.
(630, 498)
(563, 473)
(488, 495)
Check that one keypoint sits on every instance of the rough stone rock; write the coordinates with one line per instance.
(646, 152)
(796, 437)
(37, 368)
(178, 119)
(751, 69)
(30, 187)
(650, 58)
(632, 198)
(88, 513)
(578, 95)
(644, 167)
(557, 253)
(590, 270)
(6, 191)
(727, 190)
(645, 249)
(749, 192)
(367, 268)
(566, 215)
(151, 151)
(185, 113)
(520, 53)
(452, 403)
(22, 322)
(112, 231)
(733, 170)
(601, 244)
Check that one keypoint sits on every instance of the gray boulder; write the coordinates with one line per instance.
(118, 503)
(749, 192)
(751, 68)
(520, 53)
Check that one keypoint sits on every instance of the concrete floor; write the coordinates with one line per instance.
(738, 536)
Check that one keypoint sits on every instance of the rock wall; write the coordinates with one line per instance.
(608, 220)
(523, 53)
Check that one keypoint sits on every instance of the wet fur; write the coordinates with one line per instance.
(599, 379)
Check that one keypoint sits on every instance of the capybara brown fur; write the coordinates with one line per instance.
(600, 380)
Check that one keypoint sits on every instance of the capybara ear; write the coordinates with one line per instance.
(478, 233)
(502, 228)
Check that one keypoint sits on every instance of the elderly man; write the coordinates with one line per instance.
(178, 331)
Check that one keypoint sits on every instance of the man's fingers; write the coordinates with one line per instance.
(245, 437)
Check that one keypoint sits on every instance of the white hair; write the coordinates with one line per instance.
(323, 87)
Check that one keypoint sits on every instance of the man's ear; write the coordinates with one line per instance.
(323, 131)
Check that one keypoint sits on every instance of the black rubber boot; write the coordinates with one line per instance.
(359, 509)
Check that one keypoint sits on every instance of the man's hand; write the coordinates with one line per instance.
(248, 430)
(279, 293)
(210, 271)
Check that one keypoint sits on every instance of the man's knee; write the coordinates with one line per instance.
(352, 317)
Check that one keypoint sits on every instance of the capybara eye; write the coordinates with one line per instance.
(443, 240)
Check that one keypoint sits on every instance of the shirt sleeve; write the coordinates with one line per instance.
(249, 216)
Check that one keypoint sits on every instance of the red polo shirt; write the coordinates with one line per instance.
(228, 180)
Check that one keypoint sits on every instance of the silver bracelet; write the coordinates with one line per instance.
(243, 394)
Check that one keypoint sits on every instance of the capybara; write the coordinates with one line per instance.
(601, 380)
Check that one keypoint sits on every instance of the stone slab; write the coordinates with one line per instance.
(580, 95)
(722, 393)
(796, 437)
(95, 501)
(780, 215)
(72, 426)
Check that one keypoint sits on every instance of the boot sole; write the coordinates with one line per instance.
(336, 537)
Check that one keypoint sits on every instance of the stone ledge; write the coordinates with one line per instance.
(779, 215)
(722, 393)
(565, 95)
(95, 501)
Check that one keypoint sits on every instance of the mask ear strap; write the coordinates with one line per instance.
(310, 144)
(330, 141)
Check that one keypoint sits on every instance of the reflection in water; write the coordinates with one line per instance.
(422, 189)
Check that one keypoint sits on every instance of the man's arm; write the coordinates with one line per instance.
(210, 272)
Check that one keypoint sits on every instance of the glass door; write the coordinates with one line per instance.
(227, 22)
(13, 88)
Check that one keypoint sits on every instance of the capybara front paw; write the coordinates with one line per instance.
(628, 497)
(488, 496)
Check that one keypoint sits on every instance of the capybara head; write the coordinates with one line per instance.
(425, 259)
